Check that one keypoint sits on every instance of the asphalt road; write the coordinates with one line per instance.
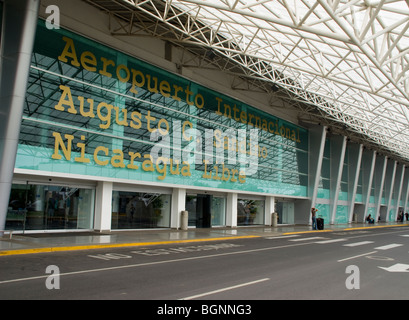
(367, 264)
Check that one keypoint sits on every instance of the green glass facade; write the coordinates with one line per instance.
(94, 111)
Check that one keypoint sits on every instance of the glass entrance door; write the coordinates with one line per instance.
(205, 210)
(50, 207)
(199, 210)
(285, 210)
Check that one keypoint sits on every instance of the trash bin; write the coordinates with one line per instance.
(320, 223)
(274, 217)
(184, 220)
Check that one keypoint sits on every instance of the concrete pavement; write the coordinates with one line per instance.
(29, 243)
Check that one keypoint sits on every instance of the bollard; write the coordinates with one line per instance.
(274, 217)
(184, 220)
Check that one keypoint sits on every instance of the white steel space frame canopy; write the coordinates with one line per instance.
(347, 60)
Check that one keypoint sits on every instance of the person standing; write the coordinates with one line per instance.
(314, 218)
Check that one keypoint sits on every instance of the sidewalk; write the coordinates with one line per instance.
(68, 241)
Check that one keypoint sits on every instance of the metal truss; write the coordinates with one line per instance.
(348, 59)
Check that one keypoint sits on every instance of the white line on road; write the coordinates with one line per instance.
(224, 289)
(361, 255)
(389, 246)
(355, 244)
(155, 263)
(331, 241)
(281, 237)
(306, 239)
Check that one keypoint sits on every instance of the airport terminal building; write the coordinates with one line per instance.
(124, 132)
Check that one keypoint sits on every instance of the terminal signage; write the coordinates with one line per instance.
(93, 110)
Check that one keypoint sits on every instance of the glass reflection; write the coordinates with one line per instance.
(43, 207)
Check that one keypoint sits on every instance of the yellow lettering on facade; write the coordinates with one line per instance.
(105, 64)
(186, 123)
(164, 89)
(150, 121)
(161, 170)
(217, 138)
(162, 131)
(132, 164)
(90, 113)
(188, 94)
(176, 91)
(147, 165)
(104, 117)
(242, 177)
(96, 159)
(81, 145)
(119, 74)
(152, 88)
(225, 175)
(135, 83)
(88, 61)
(65, 100)
(69, 52)
(136, 120)
(124, 121)
(117, 160)
(185, 169)
(59, 143)
(172, 170)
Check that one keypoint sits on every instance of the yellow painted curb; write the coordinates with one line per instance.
(348, 229)
(116, 245)
(374, 227)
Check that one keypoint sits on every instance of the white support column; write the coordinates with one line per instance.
(399, 193)
(316, 150)
(269, 208)
(389, 188)
(380, 182)
(178, 205)
(338, 146)
(19, 22)
(406, 190)
(231, 210)
(355, 157)
(369, 181)
(103, 206)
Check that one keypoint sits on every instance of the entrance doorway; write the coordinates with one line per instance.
(285, 210)
(206, 210)
(198, 207)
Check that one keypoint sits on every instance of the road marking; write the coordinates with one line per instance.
(360, 255)
(380, 258)
(375, 227)
(156, 262)
(225, 289)
(404, 235)
(389, 246)
(304, 232)
(306, 239)
(281, 237)
(355, 244)
(331, 241)
(116, 245)
(399, 267)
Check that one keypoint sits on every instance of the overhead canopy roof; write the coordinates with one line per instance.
(342, 63)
